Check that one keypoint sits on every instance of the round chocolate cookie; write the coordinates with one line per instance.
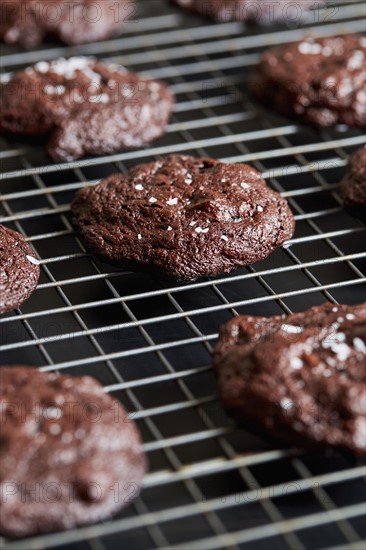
(188, 217)
(299, 377)
(318, 80)
(69, 453)
(19, 270)
(263, 12)
(353, 185)
(86, 106)
(29, 23)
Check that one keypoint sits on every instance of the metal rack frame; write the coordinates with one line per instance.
(210, 485)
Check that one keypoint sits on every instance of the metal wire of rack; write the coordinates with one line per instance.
(148, 342)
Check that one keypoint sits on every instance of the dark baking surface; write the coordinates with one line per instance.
(210, 485)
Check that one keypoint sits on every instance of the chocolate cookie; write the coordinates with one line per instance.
(29, 23)
(300, 377)
(19, 270)
(318, 80)
(188, 217)
(86, 106)
(69, 453)
(353, 185)
(260, 11)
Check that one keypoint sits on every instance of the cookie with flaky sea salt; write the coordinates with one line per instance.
(353, 185)
(19, 269)
(321, 81)
(85, 106)
(298, 377)
(30, 22)
(187, 217)
(69, 453)
(260, 11)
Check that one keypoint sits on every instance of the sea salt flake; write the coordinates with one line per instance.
(296, 363)
(291, 329)
(153, 199)
(224, 238)
(260, 208)
(139, 187)
(359, 345)
(54, 90)
(4, 78)
(286, 403)
(308, 48)
(33, 260)
(52, 413)
(101, 98)
(192, 224)
(338, 346)
(188, 180)
(244, 185)
(350, 316)
(42, 67)
(206, 230)
(356, 60)
(139, 236)
(172, 202)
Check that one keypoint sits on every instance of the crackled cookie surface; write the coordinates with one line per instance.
(318, 80)
(353, 185)
(188, 217)
(75, 459)
(85, 106)
(299, 377)
(253, 10)
(19, 269)
(30, 22)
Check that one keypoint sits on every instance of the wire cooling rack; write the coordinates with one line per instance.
(210, 485)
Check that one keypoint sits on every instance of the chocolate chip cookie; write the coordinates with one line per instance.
(262, 12)
(30, 22)
(19, 270)
(300, 377)
(353, 185)
(188, 217)
(69, 453)
(85, 106)
(318, 80)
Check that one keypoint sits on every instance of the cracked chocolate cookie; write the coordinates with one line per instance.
(30, 22)
(318, 80)
(299, 377)
(85, 106)
(353, 185)
(69, 453)
(188, 217)
(259, 11)
(19, 270)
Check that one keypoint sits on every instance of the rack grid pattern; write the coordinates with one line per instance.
(149, 342)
